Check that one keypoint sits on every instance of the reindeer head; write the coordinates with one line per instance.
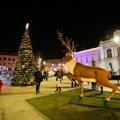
(67, 58)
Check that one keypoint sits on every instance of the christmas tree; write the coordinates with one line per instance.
(25, 64)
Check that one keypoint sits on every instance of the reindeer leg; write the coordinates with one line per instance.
(111, 94)
(81, 90)
(81, 83)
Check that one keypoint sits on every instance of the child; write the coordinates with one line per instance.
(1, 84)
(58, 85)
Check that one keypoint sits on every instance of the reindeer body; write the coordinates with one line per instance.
(83, 73)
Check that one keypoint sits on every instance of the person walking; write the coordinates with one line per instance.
(58, 74)
(38, 79)
(46, 75)
(58, 81)
(58, 85)
(1, 84)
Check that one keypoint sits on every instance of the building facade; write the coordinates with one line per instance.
(107, 55)
(7, 61)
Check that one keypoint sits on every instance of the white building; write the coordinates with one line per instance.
(107, 55)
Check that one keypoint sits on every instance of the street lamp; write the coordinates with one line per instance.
(117, 39)
(39, 62)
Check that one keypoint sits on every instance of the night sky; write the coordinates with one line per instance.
(85, 22)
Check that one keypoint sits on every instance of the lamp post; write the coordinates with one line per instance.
(117, 41)
(39, 62)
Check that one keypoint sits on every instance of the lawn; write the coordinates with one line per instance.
(68, 106)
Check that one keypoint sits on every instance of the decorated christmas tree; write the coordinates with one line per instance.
(25, 64)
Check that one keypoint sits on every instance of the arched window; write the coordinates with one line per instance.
(109, 53)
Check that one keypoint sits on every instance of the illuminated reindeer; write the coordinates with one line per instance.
(83, 73)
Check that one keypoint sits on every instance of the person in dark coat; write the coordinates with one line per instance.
(38, 79)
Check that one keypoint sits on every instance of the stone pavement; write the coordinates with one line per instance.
(14, 107)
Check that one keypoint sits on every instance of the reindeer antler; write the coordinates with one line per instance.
(70, 48)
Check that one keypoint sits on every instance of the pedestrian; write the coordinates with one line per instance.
(1, 84)
(58, 81)
(58, 74)
(38, 79)
(58, 85)
(93, 85)
(46, 75)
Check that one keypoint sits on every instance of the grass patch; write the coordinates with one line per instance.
(68, 106)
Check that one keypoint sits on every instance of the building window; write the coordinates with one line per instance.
(4, 58)
(9, 64)
(109, 53)
(9, 59)
(4, 63)
(13, 59)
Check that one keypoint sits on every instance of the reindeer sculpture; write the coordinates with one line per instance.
(84, 73)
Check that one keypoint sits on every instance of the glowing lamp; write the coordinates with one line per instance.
(27, 25)
(117, 39)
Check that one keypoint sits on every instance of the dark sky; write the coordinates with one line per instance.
(85, 22)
